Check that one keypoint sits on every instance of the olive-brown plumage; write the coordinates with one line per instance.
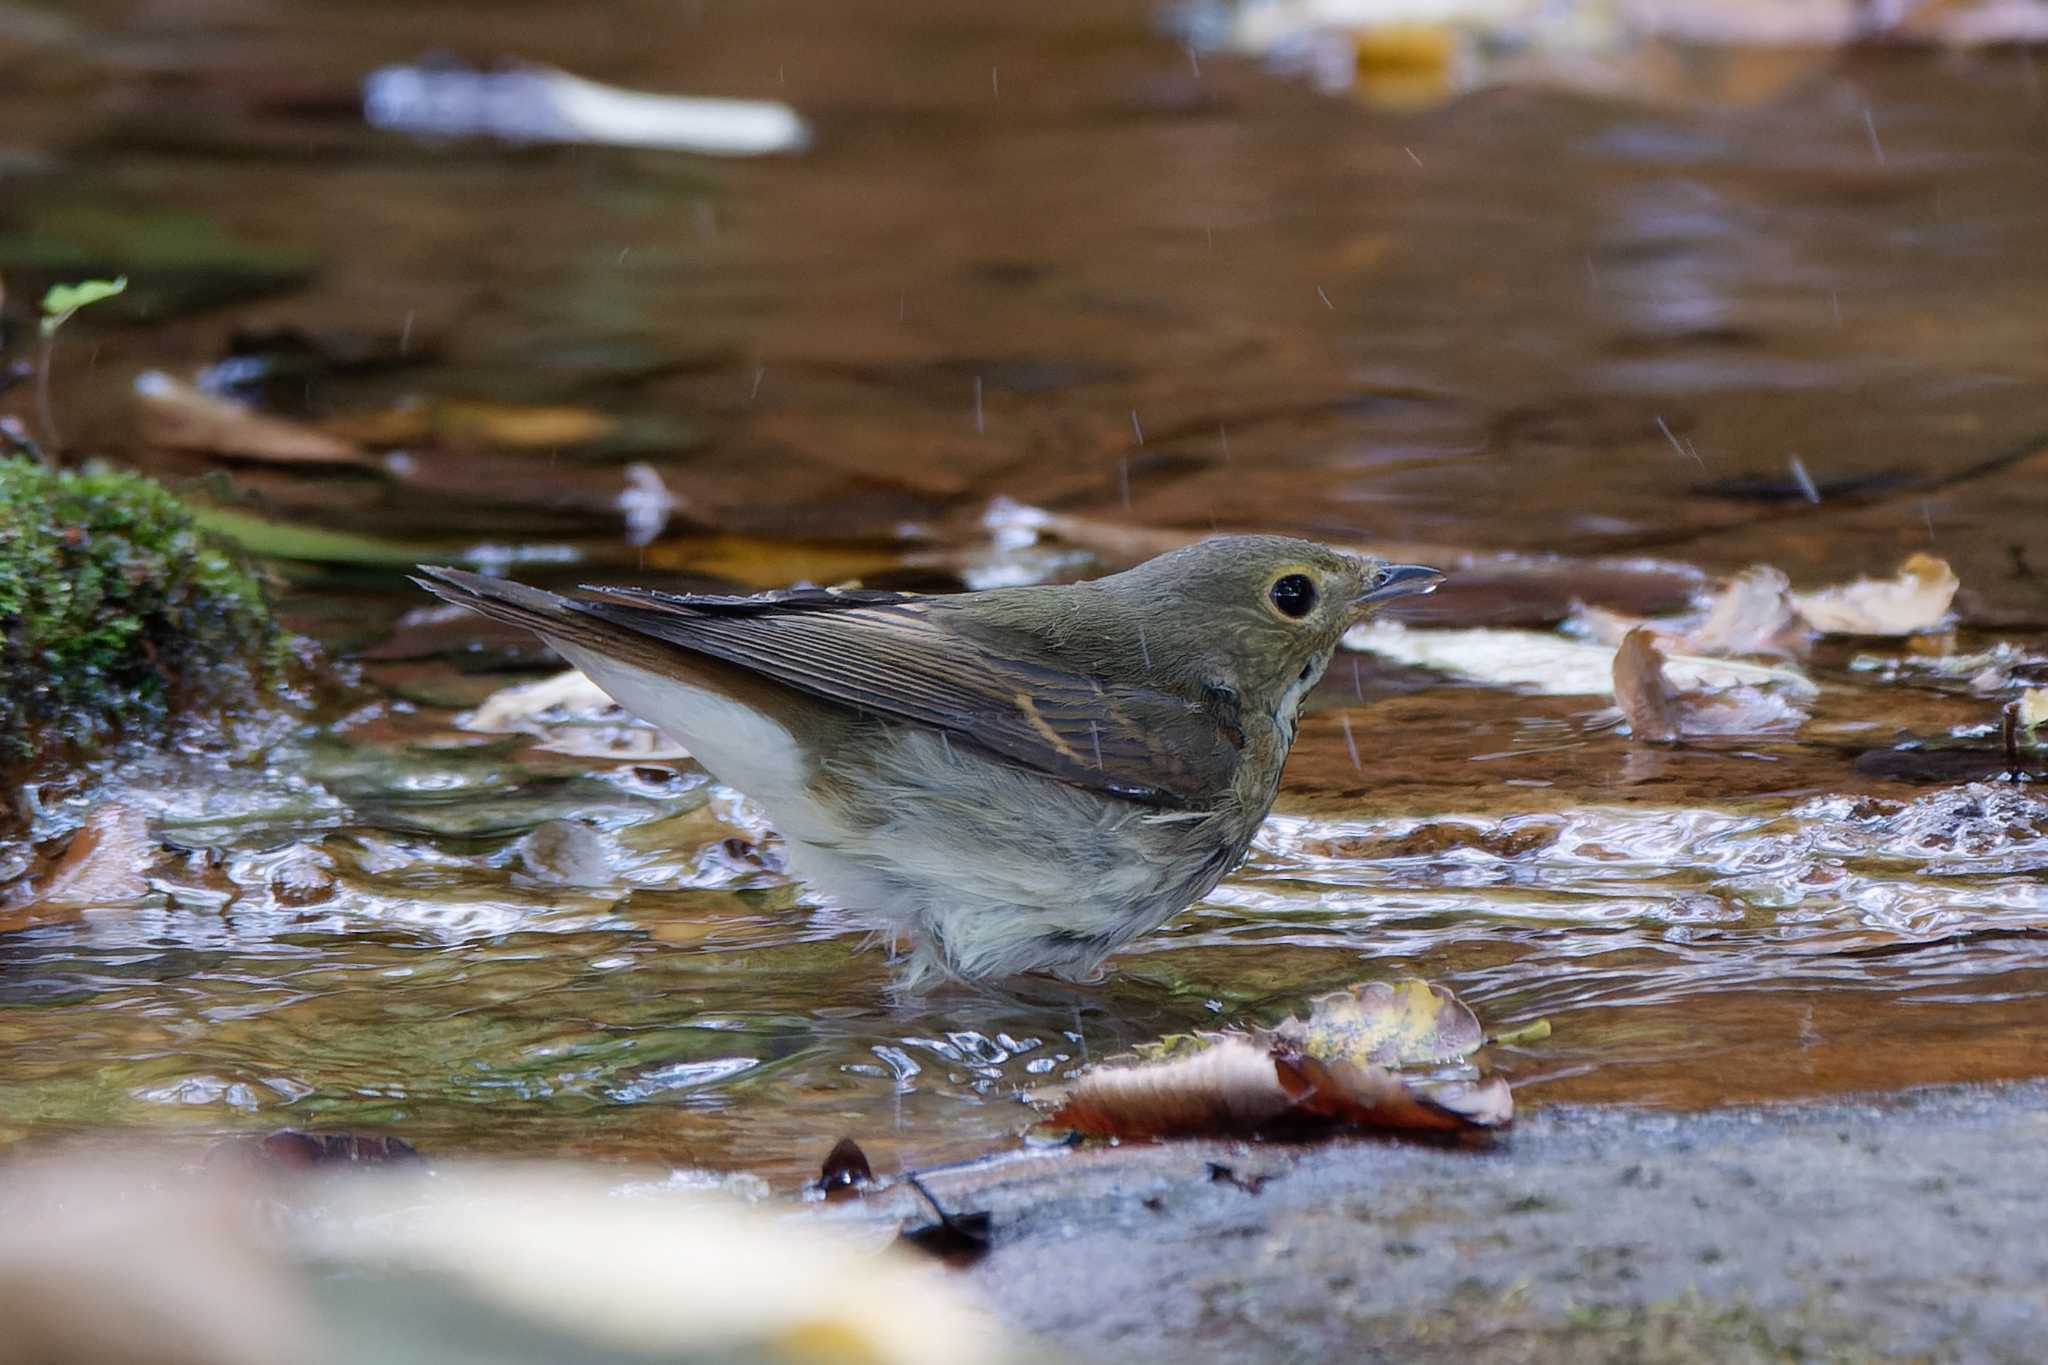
(1014, 780)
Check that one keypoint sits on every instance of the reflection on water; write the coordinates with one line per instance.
(1122, 287)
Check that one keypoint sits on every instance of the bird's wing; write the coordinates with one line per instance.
(896, 655)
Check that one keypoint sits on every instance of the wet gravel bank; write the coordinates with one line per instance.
(1908, 1227)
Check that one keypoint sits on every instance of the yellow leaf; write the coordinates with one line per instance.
(1405, 1023)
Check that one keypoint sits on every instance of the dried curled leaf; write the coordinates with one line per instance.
(1753, 614)
(1232, 1087)
(1337, 1067)
(1645, 696)
(1914, 601)
(1657, 710)
(1375, 1023)
(1374, 1097)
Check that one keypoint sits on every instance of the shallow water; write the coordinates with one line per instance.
(1125, 286)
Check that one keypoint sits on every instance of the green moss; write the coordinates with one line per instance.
(116, 610)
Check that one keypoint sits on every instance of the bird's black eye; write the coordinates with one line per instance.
(1294, 595)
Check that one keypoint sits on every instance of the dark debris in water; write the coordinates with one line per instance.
(1936, 763)
(292, 1149)
(1220, 1174)
(958, 1239)
(845, 1172)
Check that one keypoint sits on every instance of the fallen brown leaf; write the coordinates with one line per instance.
(1914, 601)
(1230, 1087)
(1374, 1097)
(1657, 710)
(1337, 1067)
(1645, 696)
(175, 415)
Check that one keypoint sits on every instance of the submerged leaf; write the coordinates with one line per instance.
(102, 865)
(958, 1239)
(1176, 1045)
(1914, 601)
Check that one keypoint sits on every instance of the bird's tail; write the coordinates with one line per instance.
(563, 622)
(555, 618)
(515, 604)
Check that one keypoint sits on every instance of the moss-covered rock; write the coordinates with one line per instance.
(116, 611)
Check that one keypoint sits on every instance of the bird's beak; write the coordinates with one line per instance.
(1399, 580)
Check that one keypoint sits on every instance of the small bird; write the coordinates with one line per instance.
(1015, 780)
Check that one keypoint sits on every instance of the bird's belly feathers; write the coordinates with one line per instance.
(996, 869)
(989, 867)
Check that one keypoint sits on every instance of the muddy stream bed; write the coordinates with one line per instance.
(1042, 255)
